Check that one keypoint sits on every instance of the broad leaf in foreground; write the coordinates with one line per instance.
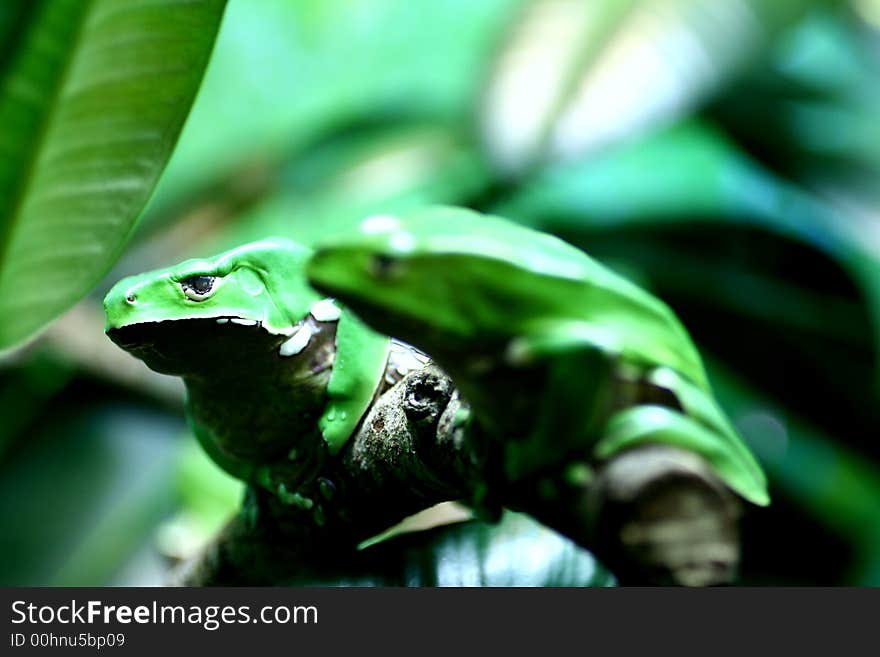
(93, 95)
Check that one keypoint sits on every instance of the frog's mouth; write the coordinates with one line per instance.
(224, 345)
(178, 346)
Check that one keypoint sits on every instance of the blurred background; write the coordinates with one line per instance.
(724, 154)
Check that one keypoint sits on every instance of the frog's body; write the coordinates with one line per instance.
(272, 367)
(473, 290)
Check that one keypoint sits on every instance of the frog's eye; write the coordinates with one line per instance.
(198, 288)
(384, 266)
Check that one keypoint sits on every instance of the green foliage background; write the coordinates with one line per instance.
(723, 154)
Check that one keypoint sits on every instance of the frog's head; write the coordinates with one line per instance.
(440, 276)
(212, 310)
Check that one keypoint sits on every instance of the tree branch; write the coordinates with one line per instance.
(655, 514)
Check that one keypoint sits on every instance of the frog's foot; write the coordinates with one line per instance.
(663, 517)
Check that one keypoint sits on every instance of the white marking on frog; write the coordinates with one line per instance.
(325, 310)
(296, 342)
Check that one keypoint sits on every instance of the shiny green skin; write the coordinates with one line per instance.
(265, 282)
(442, 277)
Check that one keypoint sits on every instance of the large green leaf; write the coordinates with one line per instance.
(93, 94)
